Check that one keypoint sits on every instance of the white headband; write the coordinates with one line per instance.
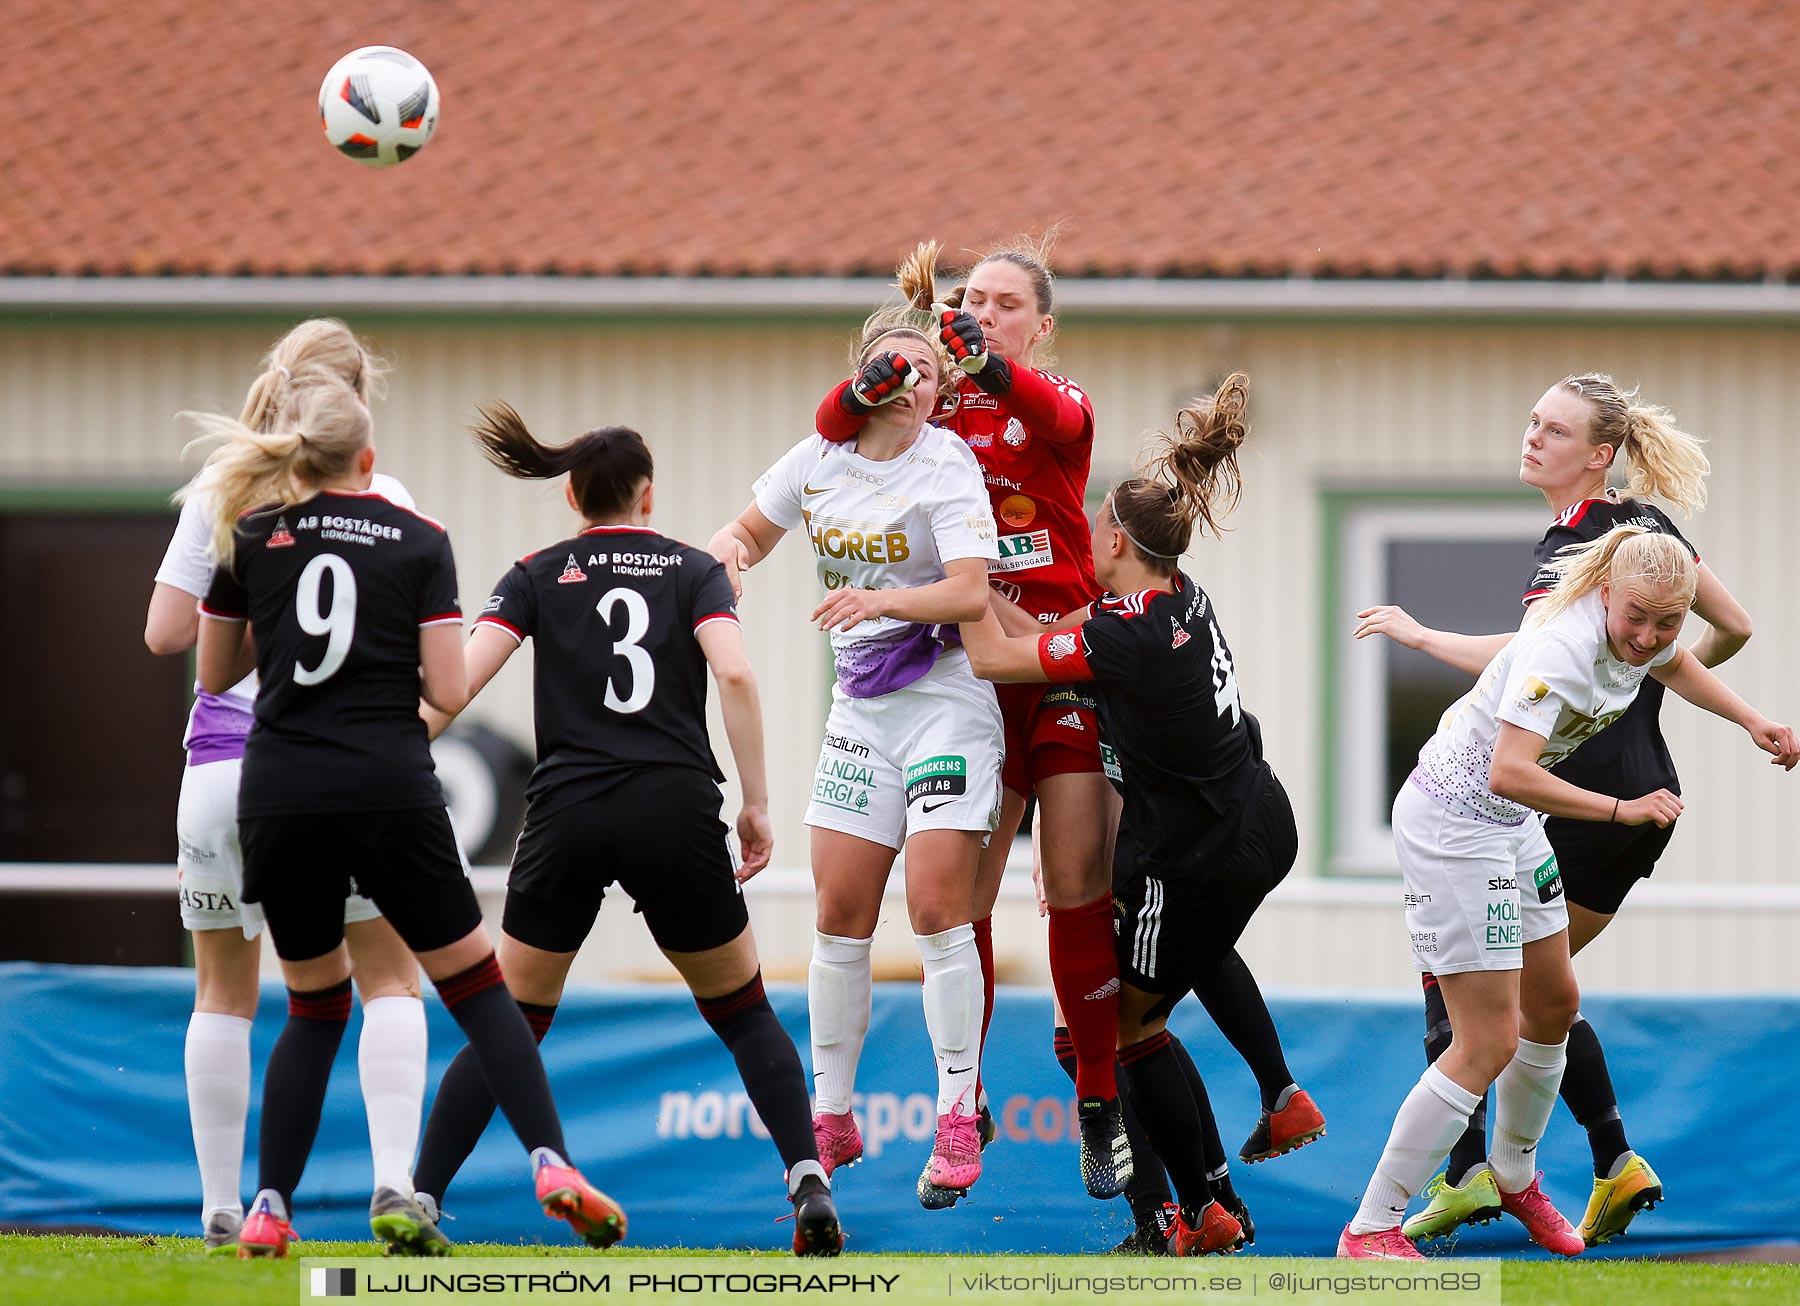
(1113, 498)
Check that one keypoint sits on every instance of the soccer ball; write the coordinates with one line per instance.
(378, 105)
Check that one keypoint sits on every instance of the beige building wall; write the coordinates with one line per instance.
(1374, 405)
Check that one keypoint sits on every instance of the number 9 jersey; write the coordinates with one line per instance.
(336, 590)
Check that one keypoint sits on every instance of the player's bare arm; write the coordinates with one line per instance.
(739, 703)
(225, 654)
(997, 656)
(443, 680)
(1470, 653)
(1686, 676)
(483, 656)
(1516, 775)
(961, 596)
(1727, 624)
(743, 543)
(172, 624)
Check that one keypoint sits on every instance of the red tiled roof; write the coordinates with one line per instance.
(1640, 138)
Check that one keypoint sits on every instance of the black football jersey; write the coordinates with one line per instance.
(620, 680)
(1176, 742)
(1629, 758)
(336, 590)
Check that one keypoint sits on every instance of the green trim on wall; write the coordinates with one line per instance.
(48, 497)
(1335, 503)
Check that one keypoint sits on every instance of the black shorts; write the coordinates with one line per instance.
(1173, 932)
(656, 834)
(1601, 861)
(300, 868)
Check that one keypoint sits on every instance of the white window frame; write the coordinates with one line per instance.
(1363, 839)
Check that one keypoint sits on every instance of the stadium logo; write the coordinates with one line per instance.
(332, 1282)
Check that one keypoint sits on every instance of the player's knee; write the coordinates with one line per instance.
(1552, 1010)
(1487, 1048)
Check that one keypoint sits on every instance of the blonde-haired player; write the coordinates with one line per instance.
(226, 930)
(898, 519)
(1486, 909)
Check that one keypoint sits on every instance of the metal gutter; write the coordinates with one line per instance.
(762, 296)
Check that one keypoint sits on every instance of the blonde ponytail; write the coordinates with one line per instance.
(314, 440)
(317, 343)
(1660, 564)
(1662, 461)
(916, 279)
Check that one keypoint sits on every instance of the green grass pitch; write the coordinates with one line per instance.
(161, 1271)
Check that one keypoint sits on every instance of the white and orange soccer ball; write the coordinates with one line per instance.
(379, 105)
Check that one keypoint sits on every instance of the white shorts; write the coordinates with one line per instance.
(209, 865)
(1476, 893)
(926, 757)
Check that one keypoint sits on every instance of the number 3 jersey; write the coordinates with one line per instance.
(620, 677)
(1176, 743)
(336, 590)
(1559, 680)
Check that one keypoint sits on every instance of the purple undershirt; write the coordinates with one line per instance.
(217, 730)
(873, 667)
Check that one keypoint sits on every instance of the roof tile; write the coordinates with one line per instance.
(774, 137)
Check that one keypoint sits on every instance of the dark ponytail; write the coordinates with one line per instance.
(1188, 479)
(606, 467)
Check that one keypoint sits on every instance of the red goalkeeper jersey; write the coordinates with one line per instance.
(1034, 445)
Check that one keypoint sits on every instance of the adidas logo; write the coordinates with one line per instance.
(1071, 719)
(1105, 991)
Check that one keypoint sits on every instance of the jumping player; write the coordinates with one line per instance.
(226, 930)
(1471, 856)
(351, 602)
(624, 623)
(1576, 433)
(1033, 434)
(899, 521)
(1206, 830)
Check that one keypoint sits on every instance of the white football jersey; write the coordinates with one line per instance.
(882, 525)
(1558, 680)
(188, 564)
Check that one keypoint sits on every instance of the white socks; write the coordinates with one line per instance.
(1524, 1096)
(837, 1006)
(390, 1060)
(953, 1003)
(218, 1089)
(1429, 1122)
